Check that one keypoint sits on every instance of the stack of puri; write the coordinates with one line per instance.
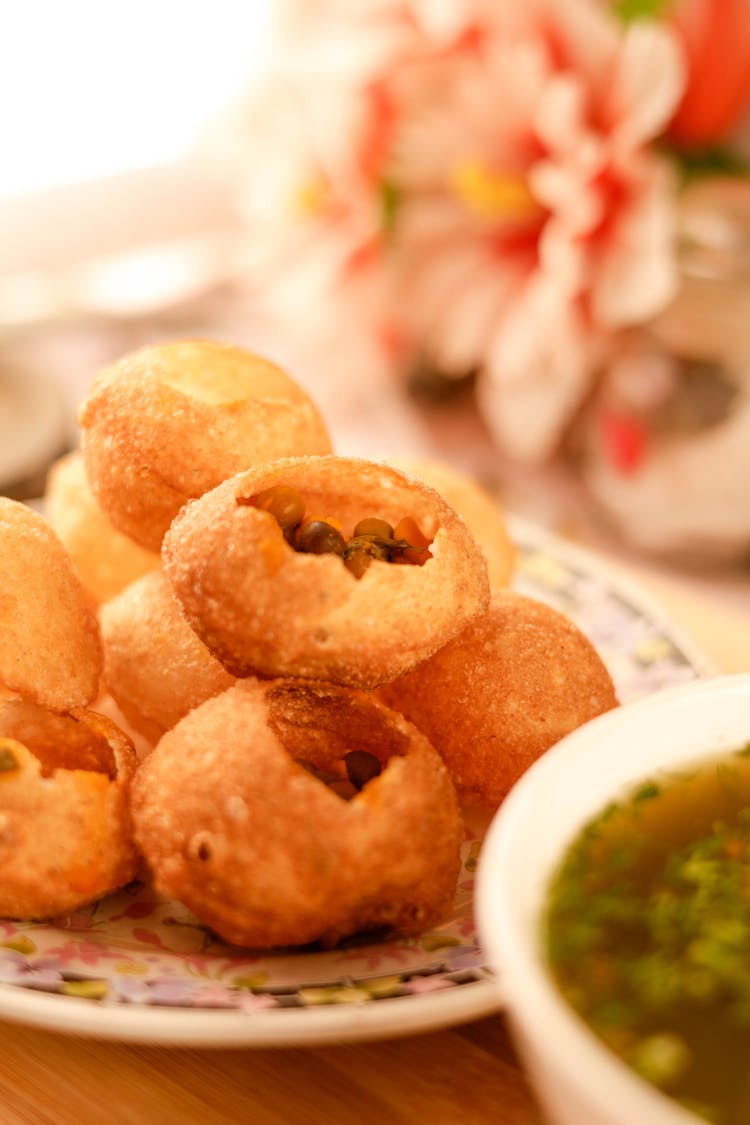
(65, 770)
(311, 711)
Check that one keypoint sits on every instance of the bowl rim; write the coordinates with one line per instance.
(512, 936)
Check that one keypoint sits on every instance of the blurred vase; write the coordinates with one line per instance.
(665, 446)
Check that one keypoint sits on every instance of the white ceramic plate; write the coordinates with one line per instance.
(140, 968)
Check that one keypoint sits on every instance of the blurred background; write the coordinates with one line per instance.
(113, 231)
(515, 237)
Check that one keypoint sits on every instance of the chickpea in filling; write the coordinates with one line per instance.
(373, 538)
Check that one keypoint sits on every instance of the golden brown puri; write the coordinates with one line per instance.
(65, 828)
(49, 638)
(105, 560)
(500, 694)
(155, 667)
(168, 423)
(262, 607)
(264, 852)
(477, 507)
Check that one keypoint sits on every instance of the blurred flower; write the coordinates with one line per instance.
(535, 220)
(473, 184)
(715, 36)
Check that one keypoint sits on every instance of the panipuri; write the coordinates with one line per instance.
(234, 823)
(263, 607)
(105, 560)
(65, 828)
(499, 695)
(155, 667)
(477, 507)
(168, 423)
(49, 638)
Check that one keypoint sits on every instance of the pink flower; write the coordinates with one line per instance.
(468, 182)
(715, 35)
(535, 222)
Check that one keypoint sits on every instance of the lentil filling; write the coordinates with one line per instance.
(372, 538)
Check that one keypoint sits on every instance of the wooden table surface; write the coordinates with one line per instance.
(468, 1073)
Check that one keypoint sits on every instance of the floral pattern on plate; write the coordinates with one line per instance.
(136, 948)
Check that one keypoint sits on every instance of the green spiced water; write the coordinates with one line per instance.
(648, 933)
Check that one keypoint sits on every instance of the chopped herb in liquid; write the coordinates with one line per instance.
(648, 933)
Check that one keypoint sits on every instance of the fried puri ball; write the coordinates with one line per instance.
(495, 698)
(262, 606)
(105, 560)
(65, 828)
(155, 667)
(168, 423)
(235, 818)
(49, 638)
(478, 508)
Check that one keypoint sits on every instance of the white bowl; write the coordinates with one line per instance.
(577, 1079)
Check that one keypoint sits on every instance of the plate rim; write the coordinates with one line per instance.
(629, 586)
(166, 1026)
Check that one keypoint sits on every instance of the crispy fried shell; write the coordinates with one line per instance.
(105, 560)
(155, 667)
(65, 828)
(500, 694)
(169, 423)
(234, 824)
(49, 638)
(262, 607)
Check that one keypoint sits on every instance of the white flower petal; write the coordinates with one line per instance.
(561, 116)
(647, 82)
(637, 274)
(528, 416)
